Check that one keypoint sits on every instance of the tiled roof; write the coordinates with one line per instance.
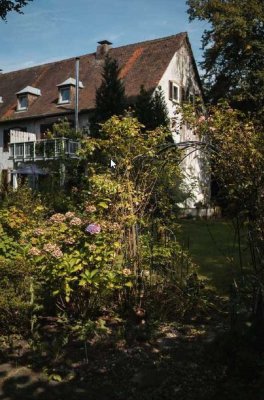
(141, 64)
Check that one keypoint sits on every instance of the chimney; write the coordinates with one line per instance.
(103, 48)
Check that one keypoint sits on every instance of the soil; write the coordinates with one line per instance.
(179, 361)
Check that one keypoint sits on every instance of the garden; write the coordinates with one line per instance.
(106, 292)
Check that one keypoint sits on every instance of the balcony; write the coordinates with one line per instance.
(44, 150)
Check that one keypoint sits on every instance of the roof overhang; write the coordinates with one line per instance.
(30, 90)
(71, 82)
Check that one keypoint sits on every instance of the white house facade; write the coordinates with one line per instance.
(32, 100)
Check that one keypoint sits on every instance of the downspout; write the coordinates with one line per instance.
(77, 63)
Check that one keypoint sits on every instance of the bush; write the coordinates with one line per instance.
(15, 297)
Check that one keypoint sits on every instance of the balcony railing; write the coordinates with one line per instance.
(45, 149)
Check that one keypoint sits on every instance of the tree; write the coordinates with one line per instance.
(150, 108)
(6, 6)
(159, 109)
(237, 154)
(143, 107)
(233, 51)
(110, 96)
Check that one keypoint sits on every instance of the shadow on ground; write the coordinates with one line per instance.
(181, 362)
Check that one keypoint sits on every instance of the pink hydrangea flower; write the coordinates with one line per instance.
(39, 231)
(90, 208)
(76, 221)
(53, 249)
(57, 218)
(69, 215)
(201, 119)
(34, 251)
(69, 240)
(93, 229)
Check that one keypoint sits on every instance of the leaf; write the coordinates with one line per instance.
(93, 273)
(102, 204)
(55, 377)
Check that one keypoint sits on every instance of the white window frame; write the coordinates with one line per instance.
(67, 101)
(20, 107)
(175, 86)
(173, 98)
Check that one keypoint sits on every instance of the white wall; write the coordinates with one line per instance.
(33, 127)
(195, 166)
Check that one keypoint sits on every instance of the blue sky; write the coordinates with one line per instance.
(52, 30)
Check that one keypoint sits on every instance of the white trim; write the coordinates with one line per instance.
(30, 90)
(19, 107)
(71, 81)
(178, 87)
(60, 101)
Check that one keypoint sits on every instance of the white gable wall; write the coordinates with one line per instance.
(195, 166)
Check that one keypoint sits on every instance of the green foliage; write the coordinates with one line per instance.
(159, 109)
(6, 6)
(110, 96)
(113, 237)
(151, 110)
(80, 271)
(9, 248)
(15, 296)
(237, 154)
(63, 128)
(233, 51)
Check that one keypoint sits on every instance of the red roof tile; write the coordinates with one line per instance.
(141, 64)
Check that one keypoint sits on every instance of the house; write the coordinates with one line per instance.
(32, 99)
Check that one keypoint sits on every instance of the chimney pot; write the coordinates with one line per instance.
(102, 49)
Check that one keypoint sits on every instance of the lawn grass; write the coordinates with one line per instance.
(213, 246)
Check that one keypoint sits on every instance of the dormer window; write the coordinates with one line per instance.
(27, 96)
(65, 95)
(22, 102)
(66, 90)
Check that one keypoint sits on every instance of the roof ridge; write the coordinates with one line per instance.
(183, 34)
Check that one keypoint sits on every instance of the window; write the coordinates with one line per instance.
(26, 96)
(66, 90)
(174, 92)
(65, 95)
(22, 102)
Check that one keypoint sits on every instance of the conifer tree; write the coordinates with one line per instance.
(151, 109)
(110, 96)
(143, 107)
(159, 109)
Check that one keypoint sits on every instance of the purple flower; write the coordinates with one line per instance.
(93, 229)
